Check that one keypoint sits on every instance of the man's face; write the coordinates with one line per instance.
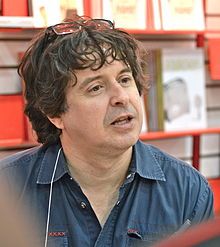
(104, 110)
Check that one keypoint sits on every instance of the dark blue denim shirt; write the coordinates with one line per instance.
(160, 196)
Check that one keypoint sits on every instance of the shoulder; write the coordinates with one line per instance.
(17, 169)
(179, 175)
(21, 158)
(22, 165)
(175, 166)
(170, 164)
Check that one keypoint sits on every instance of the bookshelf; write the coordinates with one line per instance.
(198, 35)
(194, 134)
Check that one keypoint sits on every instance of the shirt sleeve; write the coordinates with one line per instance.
(204, 208)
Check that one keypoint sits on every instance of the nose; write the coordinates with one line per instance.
(119, 95)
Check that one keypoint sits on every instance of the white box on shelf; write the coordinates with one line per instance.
(183, 76)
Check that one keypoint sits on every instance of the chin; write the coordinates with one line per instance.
(126, 142)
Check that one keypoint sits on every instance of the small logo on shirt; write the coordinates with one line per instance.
(56, 234)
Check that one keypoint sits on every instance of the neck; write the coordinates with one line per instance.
(97, 171)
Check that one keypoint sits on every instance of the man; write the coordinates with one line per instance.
(92, 183)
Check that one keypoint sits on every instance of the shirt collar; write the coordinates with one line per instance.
(48, 163)
(145, 163)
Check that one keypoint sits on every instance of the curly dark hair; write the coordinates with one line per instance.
(48, 66)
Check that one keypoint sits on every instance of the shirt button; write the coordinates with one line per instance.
(129, 175)
(83, 205)
(118, 202)
(71, 178)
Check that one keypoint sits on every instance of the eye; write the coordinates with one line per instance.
(95, 88)
(125, 80)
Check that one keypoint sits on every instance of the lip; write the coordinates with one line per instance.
(122, 120)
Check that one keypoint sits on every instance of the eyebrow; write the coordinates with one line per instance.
(90, 79)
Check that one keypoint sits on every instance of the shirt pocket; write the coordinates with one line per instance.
(135, 238)
(145, 241)
(57, 241)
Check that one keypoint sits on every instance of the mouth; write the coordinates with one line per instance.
(122, 120)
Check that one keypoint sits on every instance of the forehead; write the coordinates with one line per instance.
(113, 68)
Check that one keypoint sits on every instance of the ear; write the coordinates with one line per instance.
(57, 121)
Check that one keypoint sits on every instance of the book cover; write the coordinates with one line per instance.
(214, 58)
(46, 15)
(0, 7)
(159, 90)
(212, 23)
(212, 15)
(151, 95)
(182, 14)
(95, 9)
(183, 76)
(129, 14)
(69, 8)
(157, 15)
(154, 97)
(212, 7)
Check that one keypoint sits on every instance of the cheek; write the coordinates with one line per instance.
(136, 101)
(139, 108)
(88, 114)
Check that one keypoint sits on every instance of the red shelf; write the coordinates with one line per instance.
(164, 32)
(132, 31)
(177, 134)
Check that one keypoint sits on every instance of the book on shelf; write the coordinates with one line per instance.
(176, 99)
(0, 7)
(51, 12)
(214, 57)
(129, 14)
(157, 15)
(184, 99)
(159, 90)
(182, 14)
(154, 97)
(212, 15)
(151, 97)
(95, 9)
(212, 7)
(212, 23)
